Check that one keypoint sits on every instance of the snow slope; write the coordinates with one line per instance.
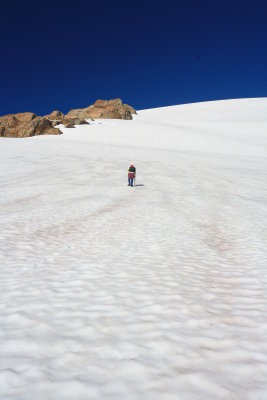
(153, 292)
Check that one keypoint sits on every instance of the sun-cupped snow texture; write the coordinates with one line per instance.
(156, 292)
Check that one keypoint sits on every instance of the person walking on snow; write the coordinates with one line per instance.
(131, 175)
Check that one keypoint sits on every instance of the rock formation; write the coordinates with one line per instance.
(28, 124)
(71, 122)
(25, 125)
(55, 115)
(113, 109)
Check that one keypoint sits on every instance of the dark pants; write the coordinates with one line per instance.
(130, 181)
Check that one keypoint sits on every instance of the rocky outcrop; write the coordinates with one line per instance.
(57, 118)
(55, 115)
(25, 117)
(29, 124)
(26, 125)
(113, 109)
(71, 122)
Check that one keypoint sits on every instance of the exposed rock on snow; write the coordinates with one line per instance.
(71, 122)
(106, 109)
(25, 125)
(57, 117)
(28, 124)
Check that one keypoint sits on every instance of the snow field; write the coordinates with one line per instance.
(155, 292)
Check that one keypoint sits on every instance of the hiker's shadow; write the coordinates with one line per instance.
(139, 184)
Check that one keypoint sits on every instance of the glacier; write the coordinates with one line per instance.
(152, 292)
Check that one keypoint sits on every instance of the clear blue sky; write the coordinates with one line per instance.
(66, 54)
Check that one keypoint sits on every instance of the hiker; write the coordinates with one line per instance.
(131, 175)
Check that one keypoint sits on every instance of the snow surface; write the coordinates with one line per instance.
(153, 292)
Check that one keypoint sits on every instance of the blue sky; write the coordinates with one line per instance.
(63, 55)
